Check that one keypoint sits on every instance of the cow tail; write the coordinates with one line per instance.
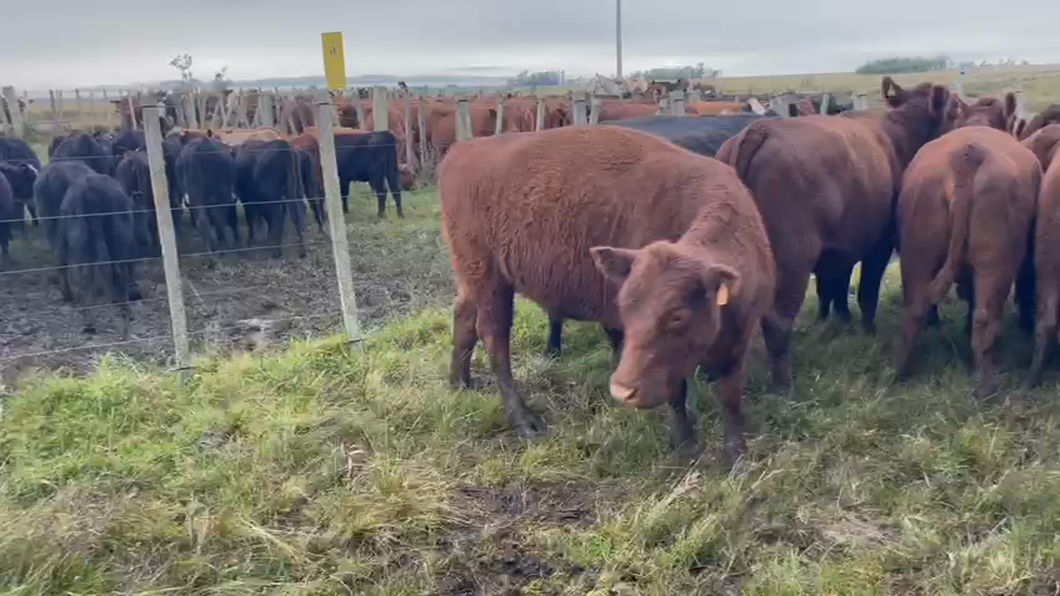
(964, 164)
(740, 151)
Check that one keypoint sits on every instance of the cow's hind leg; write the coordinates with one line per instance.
(378, 185)
(555, 336)
(991, 293)
(298, 219)
(872, 269)
(777, 325)
(465, 337)
(1045, 328)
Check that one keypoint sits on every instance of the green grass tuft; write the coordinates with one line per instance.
(325, 469)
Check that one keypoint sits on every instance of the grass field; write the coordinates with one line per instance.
(326, 469)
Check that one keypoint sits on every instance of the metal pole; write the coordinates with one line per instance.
(618, 37)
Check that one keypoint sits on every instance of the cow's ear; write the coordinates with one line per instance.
(1010, 105)
(615, 263)
(893, 93)
(721, 283)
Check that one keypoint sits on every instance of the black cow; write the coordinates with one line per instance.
(95, 240)
(207, 172)
(128, 140)
(703, 135)
(370, 158)
(49, 191)
(86, 148)
(134, 175)
(8, 210)
(269, 182)
(24, 167)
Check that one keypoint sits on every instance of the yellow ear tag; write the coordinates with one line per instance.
(722, 297)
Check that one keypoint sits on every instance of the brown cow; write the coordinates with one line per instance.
(713, 108)
(1050, 115)
(1044, 144)
(825, 186)
(690, 263)
(965, 214)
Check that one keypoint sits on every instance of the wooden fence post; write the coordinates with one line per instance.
(677, 102)
(18, 125)
(579, 112)
(499, 126)
(410, 155)
(421, 123)
(463, 120)
(594, 110)
(164, 217)
(132, 111)
(340, 248)
(539, 116)
(380, 111)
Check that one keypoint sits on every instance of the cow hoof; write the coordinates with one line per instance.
(553, 353)
(401, 214)
(688, 450)
(528, 424)
(474, 384)
(869, 327)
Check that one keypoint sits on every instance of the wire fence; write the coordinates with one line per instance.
(239, 296)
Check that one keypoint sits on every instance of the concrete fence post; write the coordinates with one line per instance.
(340, 247)
(579, 112)
(167, 237)
(380, 113)
(265, 109)
(410, 155)
(498, 128)
(421, 123)
(463, 120)
(594, 110)
(539, 116)
(18, 124)
(677, 102)
(826, 101)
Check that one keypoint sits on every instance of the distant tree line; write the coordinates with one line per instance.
(544, 77)
(898, 64)
(699, 71)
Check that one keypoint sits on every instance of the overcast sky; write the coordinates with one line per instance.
(68, 43)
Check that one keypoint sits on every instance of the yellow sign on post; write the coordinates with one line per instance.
(334, 60)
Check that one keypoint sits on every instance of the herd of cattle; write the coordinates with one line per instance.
(681, 236)
(95, 205)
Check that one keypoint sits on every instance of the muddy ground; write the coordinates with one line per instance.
(398, 266)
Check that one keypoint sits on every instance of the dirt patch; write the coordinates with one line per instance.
(248, 300)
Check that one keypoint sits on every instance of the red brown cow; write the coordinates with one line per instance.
(964, 215)
(1044, 144)
(1050, 115)
(713, 108)
(825, 187)
(676, 235)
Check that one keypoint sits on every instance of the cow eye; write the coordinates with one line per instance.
(677, 319)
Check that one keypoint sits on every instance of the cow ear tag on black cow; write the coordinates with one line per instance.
(722, 297)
